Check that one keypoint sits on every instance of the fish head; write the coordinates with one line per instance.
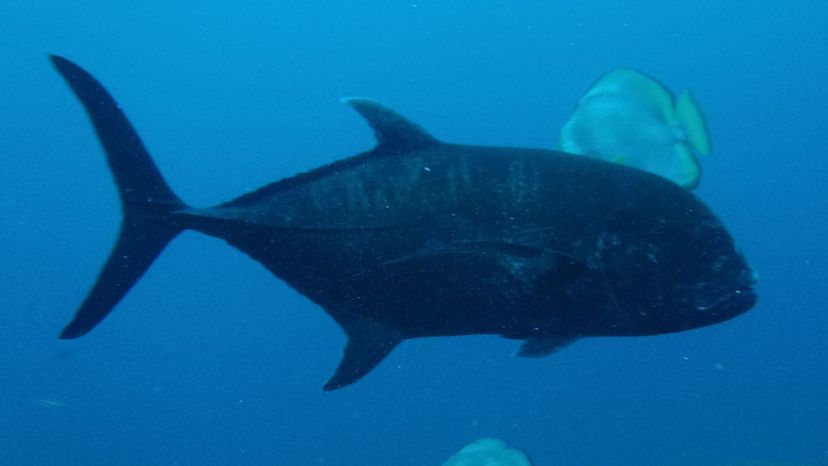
(672, 266)
(711, 280)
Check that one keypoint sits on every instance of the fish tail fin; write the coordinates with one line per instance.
(147, 202)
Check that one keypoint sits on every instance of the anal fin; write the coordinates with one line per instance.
(538, 347)
(369, 342)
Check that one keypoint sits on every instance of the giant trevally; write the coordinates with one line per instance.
(417, 237)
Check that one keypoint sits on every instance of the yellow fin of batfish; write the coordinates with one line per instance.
(619, 159)
(627, 112)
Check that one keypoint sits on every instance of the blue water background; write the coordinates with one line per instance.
(212, 361)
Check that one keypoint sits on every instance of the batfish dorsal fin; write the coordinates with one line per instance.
(394, 132)
(369, 342)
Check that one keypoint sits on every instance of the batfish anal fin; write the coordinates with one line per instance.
(685, 168)
(369, 342)
(537, 347)
(394, 132)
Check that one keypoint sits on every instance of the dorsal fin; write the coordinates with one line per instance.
(394, 132)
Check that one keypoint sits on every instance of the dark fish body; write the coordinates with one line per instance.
(422, 238)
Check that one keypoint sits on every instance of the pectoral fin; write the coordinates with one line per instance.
(501, 248)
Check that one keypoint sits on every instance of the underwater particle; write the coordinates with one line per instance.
(51, 403)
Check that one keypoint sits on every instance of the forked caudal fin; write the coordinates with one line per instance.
(147, 202)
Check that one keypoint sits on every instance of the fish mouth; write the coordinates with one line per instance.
(732, 301)
(736, 302)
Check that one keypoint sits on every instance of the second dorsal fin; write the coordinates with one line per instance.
(394, 132)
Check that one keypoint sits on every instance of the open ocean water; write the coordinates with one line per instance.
(211, 361)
